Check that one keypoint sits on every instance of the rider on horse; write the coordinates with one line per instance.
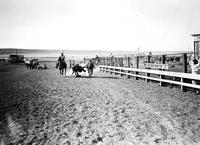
(62, 64)
(61, 58)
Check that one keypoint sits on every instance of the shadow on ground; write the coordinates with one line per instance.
(104, 77)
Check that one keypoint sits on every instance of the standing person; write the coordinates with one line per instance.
(97, 60)
(90, 66)
(195, 64)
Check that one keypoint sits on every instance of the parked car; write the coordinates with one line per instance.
(16, 58)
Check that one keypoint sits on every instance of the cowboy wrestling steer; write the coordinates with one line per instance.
(76, 69)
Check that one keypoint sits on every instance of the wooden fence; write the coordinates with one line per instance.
(155, 75)
(178, 62)
(142, 62)
(44, 59)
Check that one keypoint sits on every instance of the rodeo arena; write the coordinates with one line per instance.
(134, 99)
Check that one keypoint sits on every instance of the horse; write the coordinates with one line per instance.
(76, 69)
(62, 66)
(34, 63)
(27, 63)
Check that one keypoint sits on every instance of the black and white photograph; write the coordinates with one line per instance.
(99, 72)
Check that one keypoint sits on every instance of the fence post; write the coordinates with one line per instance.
(137, 65)
(121, 65)
(112, 61)
(99, 61)
(185, 62)
(137, 61)
(161, 76)
(148, 61)
(129, 64)
(184, 69)
(148, 58)
(111, 58)
(102, 63)
(106, 61)
(115, 61)
(118, 62)
(163, 59)
(115, 64)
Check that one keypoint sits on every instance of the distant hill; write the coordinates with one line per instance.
(86, 53)
(25, 51)
(79, 53)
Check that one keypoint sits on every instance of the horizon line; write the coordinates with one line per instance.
(96, 50)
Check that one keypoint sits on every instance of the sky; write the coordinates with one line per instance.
(126, 25)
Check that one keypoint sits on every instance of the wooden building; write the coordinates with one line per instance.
(196, 45)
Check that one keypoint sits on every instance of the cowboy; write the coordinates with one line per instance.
(61, 58)
(90, 66)
(62, 64)
(77, 68)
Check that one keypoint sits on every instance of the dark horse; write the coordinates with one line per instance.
(76, 69)
(33, 63)
(62, 66)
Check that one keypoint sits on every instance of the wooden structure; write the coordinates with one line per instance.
(163, 75)
(44, 59)
(196, 45)
(137, 62)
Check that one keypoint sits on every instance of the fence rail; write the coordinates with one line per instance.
(44, 59)
(163, 75)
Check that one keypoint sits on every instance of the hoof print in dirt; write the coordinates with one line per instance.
(42, 108)
(78, 134)
(157, 140)
(67, 143)
(95, 141)
(63, 135)
(74, 122)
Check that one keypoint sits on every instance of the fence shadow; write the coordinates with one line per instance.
(103, 77)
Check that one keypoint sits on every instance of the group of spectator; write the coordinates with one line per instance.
(195, 66)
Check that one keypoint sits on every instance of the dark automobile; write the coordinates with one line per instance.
(16, 59)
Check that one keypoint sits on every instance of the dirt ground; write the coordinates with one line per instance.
(41, 107)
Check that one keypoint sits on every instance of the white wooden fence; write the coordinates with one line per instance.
(145, 73)
(44, 59)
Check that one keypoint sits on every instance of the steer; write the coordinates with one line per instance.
(76, 69)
